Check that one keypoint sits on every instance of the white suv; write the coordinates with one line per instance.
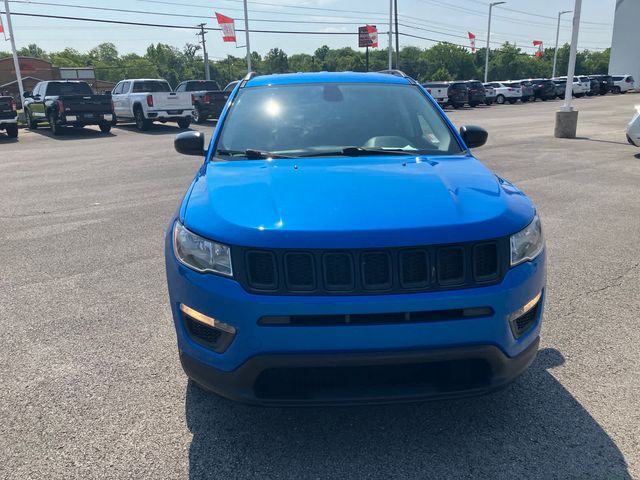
(506, 91)
(580, 87)
(622, 83)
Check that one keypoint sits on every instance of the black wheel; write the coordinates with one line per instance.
(142, 123)
(488, 102)
(55, 128)
(544, 99)
(12, 130)
(105, 127)
(197, 115)
(473, 105)
(500, 99)
(184, 122)
(31, 123)
(616, 89)
(525, 100)
(114, 120)
(512, 101)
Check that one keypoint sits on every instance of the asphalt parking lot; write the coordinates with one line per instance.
(91, 385)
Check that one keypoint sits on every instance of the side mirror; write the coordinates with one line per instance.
(473, 135)
(190, 143)
(26, 94)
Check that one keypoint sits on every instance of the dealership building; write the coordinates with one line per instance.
(625, 58)
(35, 70)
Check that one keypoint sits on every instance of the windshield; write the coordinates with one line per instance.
(151, 86)
(68, 88)
(201, 86)
(317, 119)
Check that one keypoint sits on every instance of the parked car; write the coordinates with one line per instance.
(580, 87)
(633, 129)
(561, 86)
(507, 92)
(489, 94)
(623, 83)
(605, 83)
(289, 284)
(543, 89)
(9, 116)
(476, 93)
(65, 103)
(594, 87)
(148, 100)
(230, 86)
(438, 90)
(207, 98)
(458, 93)
(527, 90)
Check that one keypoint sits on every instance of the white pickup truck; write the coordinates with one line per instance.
(148, 100)
(438, 90)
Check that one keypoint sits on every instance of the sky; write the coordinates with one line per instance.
(517, 21)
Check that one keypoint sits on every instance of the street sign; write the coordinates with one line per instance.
(368, 36)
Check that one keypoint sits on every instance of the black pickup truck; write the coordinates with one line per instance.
(207, 97)
(9, 116)
(67, 103)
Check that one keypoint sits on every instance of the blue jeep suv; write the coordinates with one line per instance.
(340, 244)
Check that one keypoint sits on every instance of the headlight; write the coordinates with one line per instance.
(527, 243)
(199, 253)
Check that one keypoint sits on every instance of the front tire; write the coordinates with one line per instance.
(500, 99)
(31, 123)
(12, 131)
(184, 123)
(105, 127)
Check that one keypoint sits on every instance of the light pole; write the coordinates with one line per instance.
(246, 30)
(567, 117)
(486, 57)
(555, 53)
(390, 34)
(16, 63)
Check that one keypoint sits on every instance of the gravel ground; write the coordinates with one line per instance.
(91, 386)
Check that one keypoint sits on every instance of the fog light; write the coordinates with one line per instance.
(207, 331)
(202, 318)
(524, 318)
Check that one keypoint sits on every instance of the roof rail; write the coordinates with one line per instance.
(248, 77)
(399, 73)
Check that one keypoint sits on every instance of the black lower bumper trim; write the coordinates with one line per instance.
(370, 378)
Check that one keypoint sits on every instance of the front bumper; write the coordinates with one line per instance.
(364, 351)
(8, 121)
(369, 378)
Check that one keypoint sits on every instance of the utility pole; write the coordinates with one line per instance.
(16, 64)
(486, 57)
(555, 53)
(390, 34)
(207, 74)
(246, 31)
(395, 2)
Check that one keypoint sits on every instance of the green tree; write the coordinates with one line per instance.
(276, 61)
(442, 75)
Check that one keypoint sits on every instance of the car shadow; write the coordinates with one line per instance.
(603, 141)
(533, 429)
(70, 133)
(155, 129)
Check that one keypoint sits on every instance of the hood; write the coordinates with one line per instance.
(348, 202)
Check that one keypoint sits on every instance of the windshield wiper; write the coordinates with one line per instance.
(251, 154)
(360, 152)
